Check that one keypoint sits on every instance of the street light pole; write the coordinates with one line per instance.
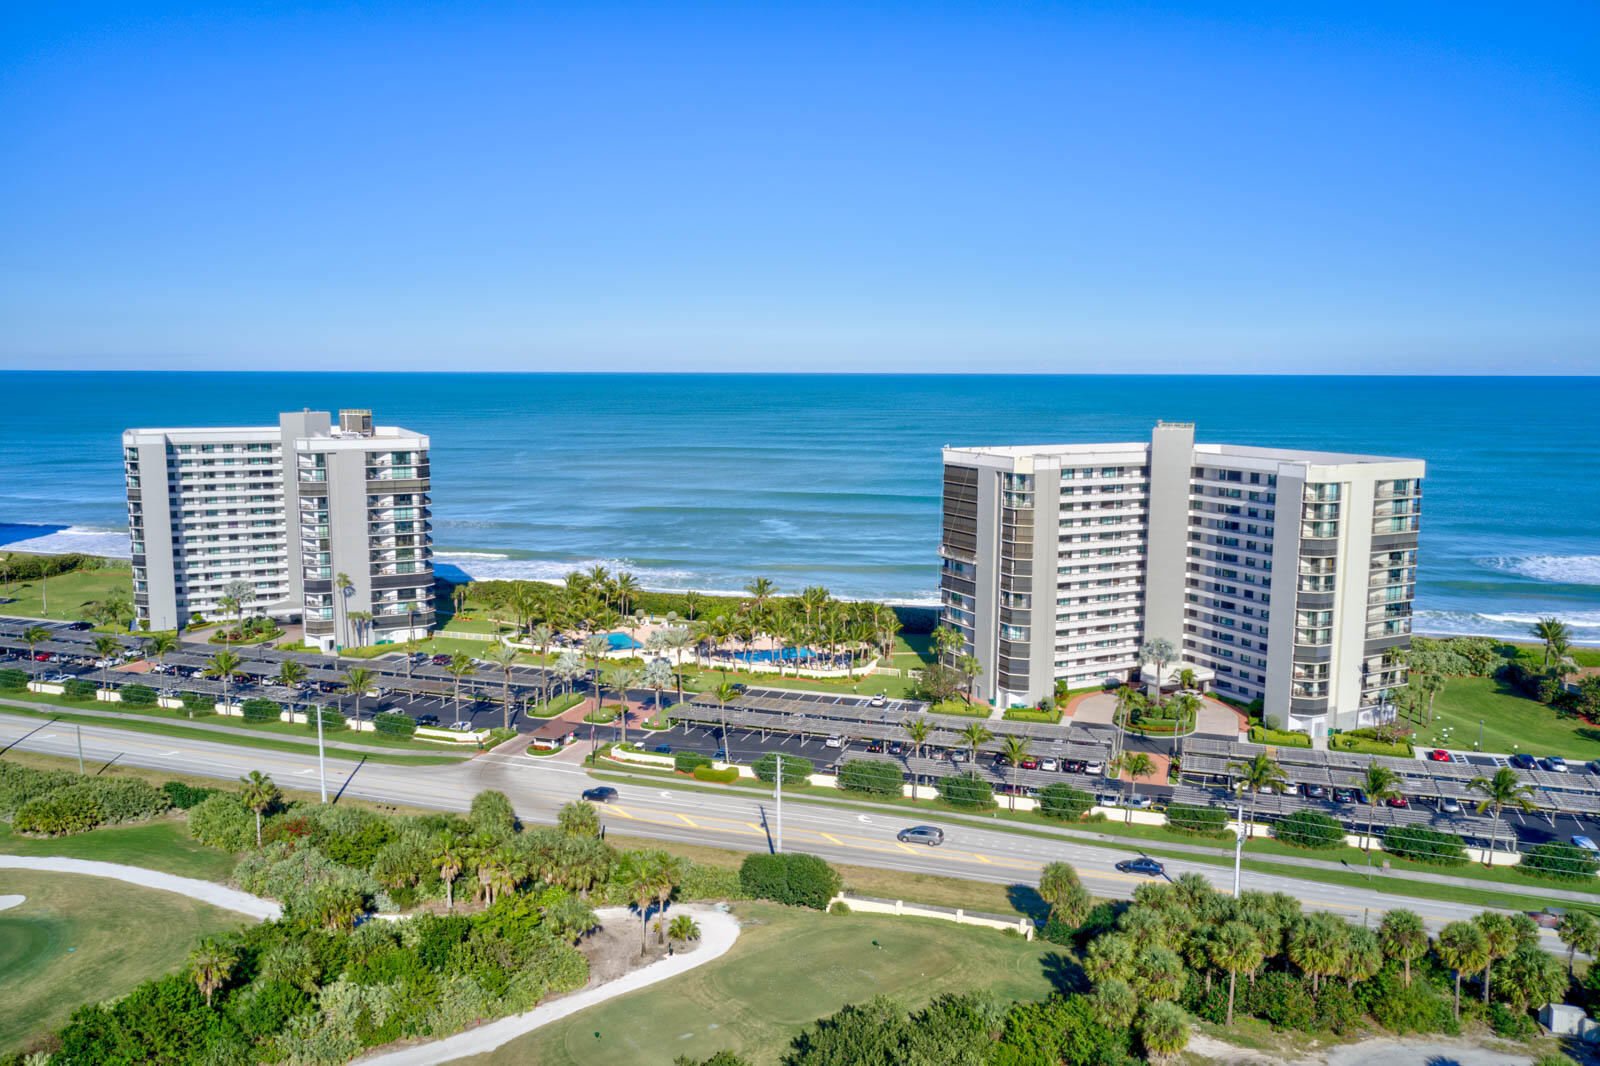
(322, 766)
(1238, 849)
(1480, 735)
(79, 728)
(777, 791)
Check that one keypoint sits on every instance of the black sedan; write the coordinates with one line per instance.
(603, 794)
(1142, 865)
(1524, 761)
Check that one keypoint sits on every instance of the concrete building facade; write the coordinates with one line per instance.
(314, 523)
(1277, 574)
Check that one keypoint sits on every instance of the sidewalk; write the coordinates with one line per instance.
(113, 717)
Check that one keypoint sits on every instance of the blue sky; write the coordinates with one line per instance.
(1092, 187)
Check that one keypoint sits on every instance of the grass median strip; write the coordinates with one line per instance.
(160, 728)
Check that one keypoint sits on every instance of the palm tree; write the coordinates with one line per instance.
(1502, 790)
(1059, 887)
(578, 819)
(667, 871)
(622, 679)
(1158, 652)
(449, 857)
(1500, 939)
(761, 592)
(541, 637)
(260, 795)
(228, 605)
(106, 646)
(1403, 937)
(976, 735)
(970, 668)
(1137, 764)
(357, 680)
(1462, 947)
(344, 585)
(1363, 956)
(1015, 749)
(1234, 947)
(33, 636)
(1378, 784)
(725, 693)
(363, 621)
(1556, 637)
(211, 963)
(1256, 776)
(1164, 1029)
(504, 656)
(460, 666)
(1428, 683)
(678, 638)
(657, 676)
(1579, 931)
(691, 604)
(684, 928)
(159, 645)
(638, 879)
(568, 668)
(223, 665)
(1318, 946)
(290, 673)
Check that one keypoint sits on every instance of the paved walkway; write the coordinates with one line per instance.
(718, 931)
(204, 891)
(423, 748)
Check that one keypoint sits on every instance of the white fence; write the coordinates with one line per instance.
(900, 908)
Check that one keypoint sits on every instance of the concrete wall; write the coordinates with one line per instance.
(900, 908)
(1167, 537)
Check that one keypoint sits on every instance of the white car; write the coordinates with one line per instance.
(1289, 788)
(1586, 844)
(1094, 766)
(461, 727)
(880, 700)
(835, 741)
(1449, 806)
(1049, 764)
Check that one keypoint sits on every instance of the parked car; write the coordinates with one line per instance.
(1142, 865)
(1316, 792)
(720, 755)
(1593, 766)
(461, 727)
(897, 748)
(1001, 762)
(1072, 766)
(81, 627)
(1030, 763)
(879, 700)
(1289, 788)
(1523, 761)
(602, 794)
(662, 749)
(835, 741)
(875, 746)
(1439, 755)
(1094, 766)
(441, 660)
(1048, 764)
(428, 719)
(957, 755)
(1397, 801)
(1586, 844)
(930, 835)
(1449, 806)
(1555, 764)
(1548, 918)
(1344, 795)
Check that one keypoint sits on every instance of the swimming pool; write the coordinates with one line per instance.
(622, 642)
(787, 655)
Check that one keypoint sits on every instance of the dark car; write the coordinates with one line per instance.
(897, 748)
(720, 755)
(602, 794)
(662, 749)
(874, 746)
(930, 835)
(427, 719)
(1142, 865)
(1344, 795)
(441, 660)
(1524, 761)
(81, 626)
(1072, 766)
(1315, 792)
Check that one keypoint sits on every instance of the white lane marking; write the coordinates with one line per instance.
(302, 773)
(174, 751)
(863, 818)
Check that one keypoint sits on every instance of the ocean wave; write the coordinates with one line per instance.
(1551, 569)
(470, 555)
(55, 540)
(1508, 625)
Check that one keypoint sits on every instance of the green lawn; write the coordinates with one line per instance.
(78, 940)
(165, 846)
(69, 594)
(702, 680)
(1511, 722)
(787, 969)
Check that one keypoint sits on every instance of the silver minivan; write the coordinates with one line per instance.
(930, 835)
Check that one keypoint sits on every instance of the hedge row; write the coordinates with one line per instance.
(1310, 830)
(720, 777)
(876, 777)
(797, 879)
(1425, 845)
(796, 769)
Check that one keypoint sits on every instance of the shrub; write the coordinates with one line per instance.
(1560, 861)
(1060, 800)
(79, 690)
(396, 725)
(1191, 818)
(1511, 1024)
(138, 695)
(794, 878)
(260, 710)
(685, 762)
(838, 906)
(19, 784)
(59, 813)
(223, 821)
(12, 679)
(332, 720)
(491, 813)
(796, 770)
(966, 790)
(1417, 1008)
(719, 777)
(185, 796)
(1273, 721)
(876, 777)
(1425, 845)
(197, 703)
(703, 881)
(1267, 735)
(1310, 829)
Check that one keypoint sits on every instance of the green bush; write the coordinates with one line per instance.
(794, 878)
(1425, 845)
(685, 762)
(1191, 818)
(491, 813)
(185, 796)
(395, 725)
(877, 777)
(966, 790)
(260, 710)
(1560, 861)
(1511, 1024)
(796, 769)
(223, 821)
(1311, 830)
(199, 703)
(138, 695)
(12, 679)
(332, 721)
(1062, 801)
(1278, 737)
(19, 784)
(79, 690)
(703, 881)
(719, 777)
(59, 813)
(838, 906)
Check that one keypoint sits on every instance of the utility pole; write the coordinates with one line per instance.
(777, 791)
(79, 728)
(1238, 849)
(322, 766)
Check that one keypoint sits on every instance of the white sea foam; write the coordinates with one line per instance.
(1507, 625)
(86, 539)
(1552, 569)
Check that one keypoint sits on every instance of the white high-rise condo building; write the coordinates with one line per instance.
(313, 522)
(1277, 574)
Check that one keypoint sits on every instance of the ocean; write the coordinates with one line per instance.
(705, 481)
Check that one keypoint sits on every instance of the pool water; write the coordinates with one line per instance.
(785, 655)
(622, 642)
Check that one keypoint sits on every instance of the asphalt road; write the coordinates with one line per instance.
(538, 788)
